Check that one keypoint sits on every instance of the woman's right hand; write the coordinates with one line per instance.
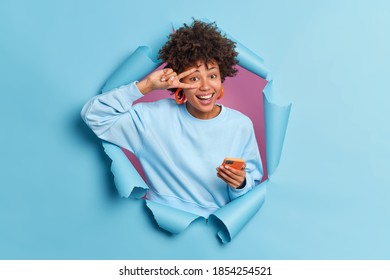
(164, 79)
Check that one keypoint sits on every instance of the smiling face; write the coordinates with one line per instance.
(201, 100)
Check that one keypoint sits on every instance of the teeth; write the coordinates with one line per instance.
(205, 96)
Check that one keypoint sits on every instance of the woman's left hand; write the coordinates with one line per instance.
(231, 176)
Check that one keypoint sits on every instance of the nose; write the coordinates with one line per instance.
(204, 85)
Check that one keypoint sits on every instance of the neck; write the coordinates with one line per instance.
(204, 115)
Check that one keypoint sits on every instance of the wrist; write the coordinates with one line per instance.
(243, 184)
(144, 86)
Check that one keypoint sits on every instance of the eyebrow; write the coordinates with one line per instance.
(208, 69)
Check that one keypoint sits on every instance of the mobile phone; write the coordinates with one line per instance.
(235, 163)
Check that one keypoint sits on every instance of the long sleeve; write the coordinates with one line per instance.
(113, 118)
(177, 151)
(254, 168)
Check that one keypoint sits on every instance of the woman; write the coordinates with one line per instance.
(181, 143)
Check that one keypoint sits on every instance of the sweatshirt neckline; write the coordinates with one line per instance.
(190, 117)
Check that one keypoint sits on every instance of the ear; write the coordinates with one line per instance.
(221, 93)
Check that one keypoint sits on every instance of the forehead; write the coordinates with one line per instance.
(201, 65)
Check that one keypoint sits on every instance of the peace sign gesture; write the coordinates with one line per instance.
(164, 79)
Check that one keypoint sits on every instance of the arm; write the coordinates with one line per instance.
(242, 181)
(112, 116)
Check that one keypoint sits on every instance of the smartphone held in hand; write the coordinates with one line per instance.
(235, 163)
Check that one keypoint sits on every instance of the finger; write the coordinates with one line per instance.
(226, 178)
(186, 73)
(230, 181)
(228, 174)
(170, 76)
(166, 74)
(173, 81)
(184, 85)
(234, 182)
(234, 173)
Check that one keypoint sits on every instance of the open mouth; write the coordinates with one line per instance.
(205, 98)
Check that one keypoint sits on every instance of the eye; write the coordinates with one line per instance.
(194, 79)
(213, 76)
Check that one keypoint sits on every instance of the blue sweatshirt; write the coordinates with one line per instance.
(178, 152)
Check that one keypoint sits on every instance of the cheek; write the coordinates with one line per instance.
(218, 88)
(190, 92)
(217, 84)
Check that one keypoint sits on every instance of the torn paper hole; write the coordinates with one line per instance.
(250, 92)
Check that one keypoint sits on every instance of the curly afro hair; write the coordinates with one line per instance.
(199, 42)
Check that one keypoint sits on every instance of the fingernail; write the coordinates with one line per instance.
(172, 78)
(162, 79)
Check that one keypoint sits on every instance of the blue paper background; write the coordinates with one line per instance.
(328, 199)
